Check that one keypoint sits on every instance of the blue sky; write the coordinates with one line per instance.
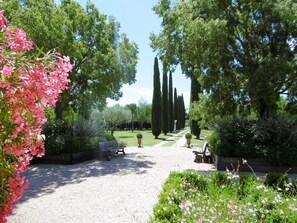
(138, 20)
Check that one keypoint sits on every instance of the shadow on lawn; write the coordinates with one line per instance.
(125, 137)
(45, 179)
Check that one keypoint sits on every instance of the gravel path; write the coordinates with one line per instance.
(123, 190)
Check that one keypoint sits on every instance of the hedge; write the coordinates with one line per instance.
(273, 139)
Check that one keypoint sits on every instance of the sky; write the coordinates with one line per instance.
(138, 21)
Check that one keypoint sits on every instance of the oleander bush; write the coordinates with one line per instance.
(273, 139)
(192, 197)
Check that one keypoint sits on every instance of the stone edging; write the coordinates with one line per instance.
(73, 158)
(257, 164)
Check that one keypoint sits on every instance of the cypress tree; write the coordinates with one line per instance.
(179, 113)
(165, 116)
(183, 112)
(175, 107)
(195, 89)
(170, 104)
(156, 103)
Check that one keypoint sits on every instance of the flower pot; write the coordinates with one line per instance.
(139, 142)
(189, 142)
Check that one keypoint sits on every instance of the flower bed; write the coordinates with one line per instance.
(193, 197)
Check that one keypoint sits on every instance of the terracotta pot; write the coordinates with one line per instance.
(189, 142)
(139, 141)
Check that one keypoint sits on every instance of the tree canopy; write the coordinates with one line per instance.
(115, 116)
(242, 51)
(103, 58)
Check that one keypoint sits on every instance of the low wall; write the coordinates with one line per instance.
(74, 158)
(257, 164)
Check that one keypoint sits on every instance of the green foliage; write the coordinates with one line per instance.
(139, 136)
(115, 116)
(133, 108)
(165, 105)
(273, 139)
(144, 112)
(220, 179)
(233, 137)
(195, 90)
(103, 58)
(251, 65)
(181, 111)
(170, 104)
(156, 104)
(276, 180)
(188, 136)
(73, 136)
(191, 197)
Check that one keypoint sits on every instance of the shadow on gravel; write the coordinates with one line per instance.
(45, 178)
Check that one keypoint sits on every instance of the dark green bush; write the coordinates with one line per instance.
(70, 137)
(276, 180)
(234, 137)
(273, 139)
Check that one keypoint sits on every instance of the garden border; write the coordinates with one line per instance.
(74, 158)
(257, 164)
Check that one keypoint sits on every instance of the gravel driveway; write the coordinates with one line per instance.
(124, 189)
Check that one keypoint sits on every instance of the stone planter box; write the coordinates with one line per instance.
(258, 165)
(99, 153)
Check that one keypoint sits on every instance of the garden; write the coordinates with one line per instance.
(226, 197)
(240, 56)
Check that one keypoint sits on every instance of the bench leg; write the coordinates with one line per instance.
(121, 150)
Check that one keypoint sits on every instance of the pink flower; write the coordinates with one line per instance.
(27, 87)
(3, 20)
(7, 71)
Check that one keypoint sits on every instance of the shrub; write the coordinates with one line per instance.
(139, 136)
(276, 180)
(221, 200)
(273, 139)
(70, 137)
(30, 83)
(188, 136)
(219, 179)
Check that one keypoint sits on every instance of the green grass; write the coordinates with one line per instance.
(171, 142)
(194, 141)
(129, 137)
(192, 197)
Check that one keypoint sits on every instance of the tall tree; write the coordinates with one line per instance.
(144, 112)
(103, 58)
(175, 108)
(156, 103)
(115, 116)
(170, 104)
(194, 97)
(165, 114)
(182, 112)
(133, 108)
(254, 60)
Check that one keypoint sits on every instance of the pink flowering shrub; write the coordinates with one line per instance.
(27, 86)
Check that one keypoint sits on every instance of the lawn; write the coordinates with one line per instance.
(148, 139)
(204, 133)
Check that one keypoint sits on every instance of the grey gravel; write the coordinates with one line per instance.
(122, 190)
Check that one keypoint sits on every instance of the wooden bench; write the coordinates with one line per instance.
(110, 148)
(202, 155)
